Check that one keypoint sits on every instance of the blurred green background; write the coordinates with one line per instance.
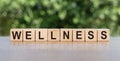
(60, 14)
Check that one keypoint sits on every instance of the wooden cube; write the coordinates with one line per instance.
(53, 35)
(78, 35)
(41, 35)
(91, 35)
(103, 35)
(66, 35)
(29, 35)
(16, 35)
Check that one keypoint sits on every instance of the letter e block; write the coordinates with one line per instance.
(29, 35)
(78, 35)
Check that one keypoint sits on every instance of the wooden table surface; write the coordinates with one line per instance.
(60, 52)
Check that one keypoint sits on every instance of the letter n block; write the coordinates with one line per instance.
(29, 35)
(53, 35)
(91, 35)
(16, 35)
(78, 35)
(103, 35)
(66, 35)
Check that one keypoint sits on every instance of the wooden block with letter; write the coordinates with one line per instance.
(29, 35)
(16, 35)
(41, 35)
(103, 35)
(53, 35)
(78, 35)
(66, 35)
(91, 35)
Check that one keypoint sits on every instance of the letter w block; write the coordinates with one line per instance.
(16, 35)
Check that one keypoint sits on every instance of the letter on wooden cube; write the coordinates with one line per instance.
(29, 35)
(41, 35)
(66, 35)
(91, 35)
(53, 35)
(103, 35)
(78, 35)
(16, 35)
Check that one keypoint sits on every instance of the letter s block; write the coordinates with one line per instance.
(91, 35)
(16, 35)
(103, 35)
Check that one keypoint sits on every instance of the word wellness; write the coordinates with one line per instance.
(60, 35)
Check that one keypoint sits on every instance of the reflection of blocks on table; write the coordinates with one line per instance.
(41, 35)
(91, 35)
(53, 35)
(29, 35)
(14, 33)
(60, 35)
(78, 35)
(103, 35)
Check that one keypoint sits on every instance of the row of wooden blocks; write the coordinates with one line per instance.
(59, 35)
